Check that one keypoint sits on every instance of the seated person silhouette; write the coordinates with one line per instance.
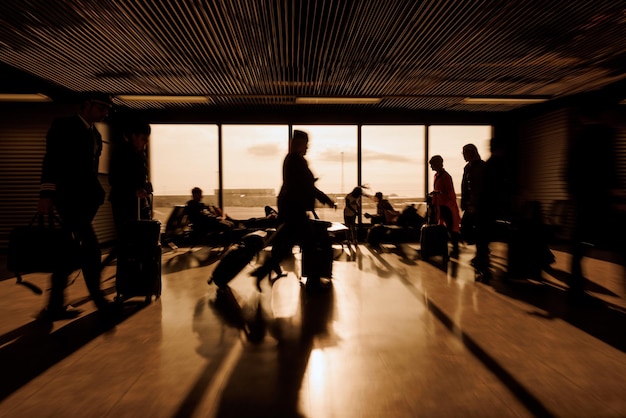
(206, 220)
(270, 220)
(384, 211)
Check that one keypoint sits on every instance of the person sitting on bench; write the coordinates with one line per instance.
(205, 219)
(385, 213)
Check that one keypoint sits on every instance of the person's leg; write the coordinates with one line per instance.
(282, 244)
(446, 215)
(90, 261)
(56, 301)
(576, 282)
(350, 222)
(481, 262)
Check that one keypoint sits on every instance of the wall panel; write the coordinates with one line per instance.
(23, 129)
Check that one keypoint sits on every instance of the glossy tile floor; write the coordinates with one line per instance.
(394, 337)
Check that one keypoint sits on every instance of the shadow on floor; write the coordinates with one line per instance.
(597, 318)
(31, 349)
(184, 259)
(270, 372)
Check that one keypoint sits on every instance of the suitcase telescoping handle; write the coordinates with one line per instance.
(149, 200)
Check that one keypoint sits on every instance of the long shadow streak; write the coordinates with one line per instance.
(34, 349)
(601, 320)
(283, 377)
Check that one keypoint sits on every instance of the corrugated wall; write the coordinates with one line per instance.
(542, 151)
(23, 129)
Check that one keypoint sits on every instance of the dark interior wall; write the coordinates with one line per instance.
(539, 148)
(542, 156)
(23, 128)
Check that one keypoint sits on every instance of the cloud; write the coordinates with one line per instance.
(264, 150)
(368, 156)
(371, 156)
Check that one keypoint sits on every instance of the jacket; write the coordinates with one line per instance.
(69, 172)
(298, 192)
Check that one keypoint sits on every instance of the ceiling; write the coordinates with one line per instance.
(259, 56)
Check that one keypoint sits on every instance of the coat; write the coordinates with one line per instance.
(298, 192)
(69, 172)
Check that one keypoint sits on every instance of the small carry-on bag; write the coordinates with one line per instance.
(433, 238)
(42, 247)
(433, 241)
(317, 257)
(139, 260)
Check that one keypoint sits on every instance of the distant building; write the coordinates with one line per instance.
(248, 197)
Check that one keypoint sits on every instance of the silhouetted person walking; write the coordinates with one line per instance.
(129, 180)
(596, 193)
(351, 211)
(129, 177)
(444, 202)
(297, 196)
(495, 202)
(471, 187)
(69, 183)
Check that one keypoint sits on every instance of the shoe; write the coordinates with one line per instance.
(59, 314)
(260, 274)
(110, 308)
(279, 273)
(102, 303)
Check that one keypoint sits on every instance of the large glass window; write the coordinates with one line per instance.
(393, 163)
(332, 157)
(182, 157)
(252, 164)
(448, 141)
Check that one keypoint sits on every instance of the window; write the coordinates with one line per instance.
(332, 157)
(448, 141)
(252, 162)
(182, 157)
(393, 163)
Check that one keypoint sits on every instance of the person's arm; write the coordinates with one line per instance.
(323, 198)
(53, 162)
(465, 188)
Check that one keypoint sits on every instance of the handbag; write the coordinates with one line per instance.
(41, 247)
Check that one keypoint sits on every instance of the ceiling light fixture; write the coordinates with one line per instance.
(503, 100)
(338, 100)
(163, 99)
(28, 97)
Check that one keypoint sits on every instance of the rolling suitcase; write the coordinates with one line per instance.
(317, 258)
(139, 261)
(433, 238)
(237, 257)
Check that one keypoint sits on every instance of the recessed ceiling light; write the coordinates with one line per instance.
(338, 100)
(17, 97)
(163, 98)
(503, 100)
